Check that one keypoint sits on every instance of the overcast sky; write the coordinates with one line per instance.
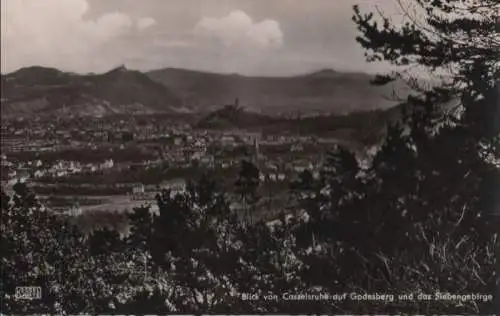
(253, 37)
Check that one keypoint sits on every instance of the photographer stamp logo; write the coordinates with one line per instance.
(28, 293)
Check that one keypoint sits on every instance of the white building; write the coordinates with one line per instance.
(227, 140)
(299, 168)
(199, 147)
(108, 164)
(39, 173)
(75, 210)
(297, 147)
(23, 176)
(176, 186)
(177, 141)
(138, 188)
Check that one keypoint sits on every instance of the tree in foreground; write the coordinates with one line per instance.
(247, 186)
(439, 184)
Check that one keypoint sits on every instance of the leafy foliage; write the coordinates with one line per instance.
(422, 218)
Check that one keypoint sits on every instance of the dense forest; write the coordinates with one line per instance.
(422, 218)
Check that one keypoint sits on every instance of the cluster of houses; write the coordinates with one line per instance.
(177, 147)
(36, 169)
(143, 192)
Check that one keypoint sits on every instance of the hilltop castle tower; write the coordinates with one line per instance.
(256, 148)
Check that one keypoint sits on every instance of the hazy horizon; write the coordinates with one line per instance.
(252, 38)
(305, 73)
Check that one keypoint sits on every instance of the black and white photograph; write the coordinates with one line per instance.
(250, 157)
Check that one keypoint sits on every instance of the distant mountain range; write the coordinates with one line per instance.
(324, 91)
(48, 91)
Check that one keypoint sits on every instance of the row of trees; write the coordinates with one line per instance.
(420, 219)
